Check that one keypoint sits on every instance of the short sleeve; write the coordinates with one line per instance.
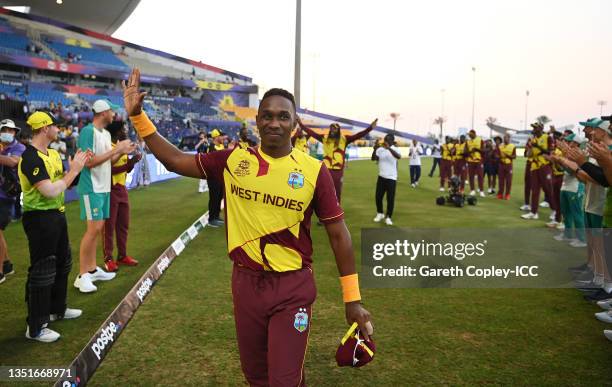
(85, 140)
(211, 165)
(33, 167)
(325, 202)
(379, 152)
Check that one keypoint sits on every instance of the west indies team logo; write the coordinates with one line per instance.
(243, 168)
(301, 320)
(296, 180)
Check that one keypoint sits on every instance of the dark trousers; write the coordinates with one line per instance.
(215, 192)
(505, 179)
(527, 190)
(541, 178)
(436, 162)
(50, 264)
(557, 182)
(460, 169)
(337, 177)
(446, 167)
(415, 173)
(272, 312)
(118, 222)
(476, 170)
(385, 186)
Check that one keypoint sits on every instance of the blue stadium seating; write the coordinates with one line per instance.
(93, 56)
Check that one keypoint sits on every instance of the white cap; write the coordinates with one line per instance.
(9, 124)
(102, 105)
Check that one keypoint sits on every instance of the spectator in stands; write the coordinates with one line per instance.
(9, 187)
(202, 147)
(414, 152)
(43, 181)
(60, 146)
(94, 190)
(436, 153)
(215, 187)
(118, 222)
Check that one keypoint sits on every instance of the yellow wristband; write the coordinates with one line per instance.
(143, 124)
(350, 288)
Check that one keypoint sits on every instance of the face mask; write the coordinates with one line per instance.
(7, 137)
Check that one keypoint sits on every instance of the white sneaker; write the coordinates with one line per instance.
(552, 224)
(604, 316)
(552, 215)
(561, 238)
(544, 204)
(69, 314)
(84, 283)
(482, 194)
(441, 189)
(46, 335)
(388, 221)
(413, 185)
(472, 193)
(530, 215)
(561, 226)
(605, 304)
(101, 275)
(608, 334)
(525, 207)
(379, 217)
(577, 243)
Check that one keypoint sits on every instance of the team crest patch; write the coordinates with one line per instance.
(296, 180)
(301, 320)
(243, 168)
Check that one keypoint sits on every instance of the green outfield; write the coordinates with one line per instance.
(184, 332)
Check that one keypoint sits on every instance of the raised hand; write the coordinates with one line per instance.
(374, 123)
(599, 151)
(77, 162)
(132, 97)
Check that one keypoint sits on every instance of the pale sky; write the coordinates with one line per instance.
(378, 57)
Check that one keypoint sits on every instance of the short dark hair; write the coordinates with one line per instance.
(281, 93)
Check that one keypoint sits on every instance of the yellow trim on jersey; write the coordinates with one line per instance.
(333, 152)
(476, 143)
(506, 152)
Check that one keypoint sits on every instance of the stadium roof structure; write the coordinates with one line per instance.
(103, 17)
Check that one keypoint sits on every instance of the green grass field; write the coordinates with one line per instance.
(184, 332)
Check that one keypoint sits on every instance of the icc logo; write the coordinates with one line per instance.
(296, 180)
(301, 320)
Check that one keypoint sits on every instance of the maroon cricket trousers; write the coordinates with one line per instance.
(460, 170)
(273, 314)
(118, 222)
(505, 179)
(557, 182)
(337, 175)
(445, 171)
(541, 178)
(475, 169)
(527, 190)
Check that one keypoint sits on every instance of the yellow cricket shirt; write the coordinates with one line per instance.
(269, 203)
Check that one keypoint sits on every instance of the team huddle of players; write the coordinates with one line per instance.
(472, 158)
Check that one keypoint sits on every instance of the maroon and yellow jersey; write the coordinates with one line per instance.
(301, 143)
(269, 203)
(474, 146)
(333, 151)
(459, 151)
(539, 146)
(557, 169)
(447, 151)
(506, 151)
